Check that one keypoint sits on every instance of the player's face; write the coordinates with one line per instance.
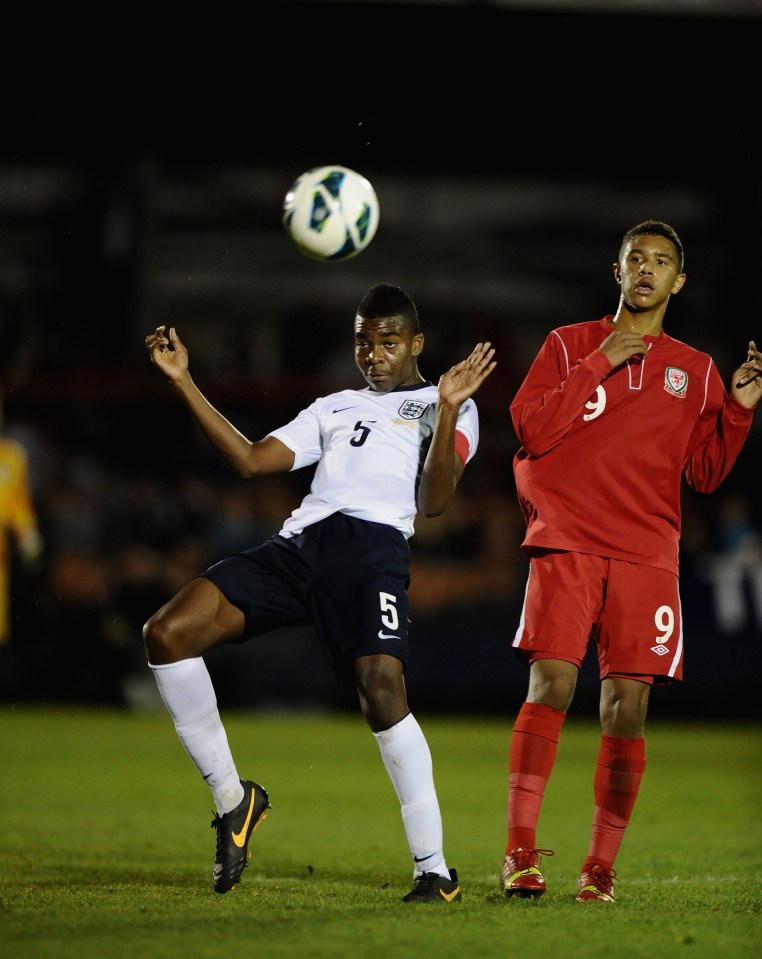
(647, 272)
(386, 352)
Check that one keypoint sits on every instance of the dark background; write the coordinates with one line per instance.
(143, 164)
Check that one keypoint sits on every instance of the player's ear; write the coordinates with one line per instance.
(417, 347)
(679, 282)
(617, 273)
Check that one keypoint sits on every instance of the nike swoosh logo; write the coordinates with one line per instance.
(239, 838)
(383, 635)
(423, 858)
(342, 408)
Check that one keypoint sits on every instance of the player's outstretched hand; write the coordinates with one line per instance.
(167, 352)
(746, 385)
(464, 379)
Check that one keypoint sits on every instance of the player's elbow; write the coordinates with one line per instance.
(430, 511)
(434, 504)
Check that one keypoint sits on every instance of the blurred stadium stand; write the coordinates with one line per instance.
(501, 216)
(673, 8)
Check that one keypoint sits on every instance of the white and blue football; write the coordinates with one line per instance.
(331, 213)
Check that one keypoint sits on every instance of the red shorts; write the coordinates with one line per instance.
(632, 612)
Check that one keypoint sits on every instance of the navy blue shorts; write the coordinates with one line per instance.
(346, 576)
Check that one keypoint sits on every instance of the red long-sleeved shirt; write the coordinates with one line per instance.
(603, 450)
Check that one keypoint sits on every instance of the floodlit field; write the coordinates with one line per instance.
(106, 847)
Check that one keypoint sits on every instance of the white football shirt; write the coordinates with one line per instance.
(370, 448)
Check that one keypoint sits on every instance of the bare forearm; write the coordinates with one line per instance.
(442, 469)
(229, 442)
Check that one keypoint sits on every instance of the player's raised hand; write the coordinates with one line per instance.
(746, 386)
(167, 352)
(464, 379)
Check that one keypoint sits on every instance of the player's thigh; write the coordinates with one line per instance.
(360, 593)
(198, 618)
(563, 599)
(268, 584)
(640, 632)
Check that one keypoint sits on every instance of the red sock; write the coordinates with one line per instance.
(534, 744)
(621, 763)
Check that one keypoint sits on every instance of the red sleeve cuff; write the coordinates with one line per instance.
(461, 446)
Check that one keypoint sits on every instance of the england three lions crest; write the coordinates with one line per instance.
(413, 409)
(676, 381)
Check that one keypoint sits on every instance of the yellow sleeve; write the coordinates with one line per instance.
(17, 511)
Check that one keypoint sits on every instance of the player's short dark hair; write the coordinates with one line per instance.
(384, 300)
(657, 228)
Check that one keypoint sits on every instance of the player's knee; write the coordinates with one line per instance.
(553, 684)
(383, 708)
(382, 695)
(161, 640)
(623, 708)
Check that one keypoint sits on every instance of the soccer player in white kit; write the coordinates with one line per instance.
(340, 562)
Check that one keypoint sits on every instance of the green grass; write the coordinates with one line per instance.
(106, 847)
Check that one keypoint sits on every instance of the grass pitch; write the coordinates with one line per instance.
(106, 846)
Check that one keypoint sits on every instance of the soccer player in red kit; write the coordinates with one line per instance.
(610, 416)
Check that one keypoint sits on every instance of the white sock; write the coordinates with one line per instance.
(187, 690)
(408, 762)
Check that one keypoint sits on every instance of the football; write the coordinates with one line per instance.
(331, 213)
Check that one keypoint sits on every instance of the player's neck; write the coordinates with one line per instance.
(645, 322)
(414, 379)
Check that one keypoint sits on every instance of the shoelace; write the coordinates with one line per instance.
(524, 858)
(602, 877)
(428, 879)
(217, 823)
